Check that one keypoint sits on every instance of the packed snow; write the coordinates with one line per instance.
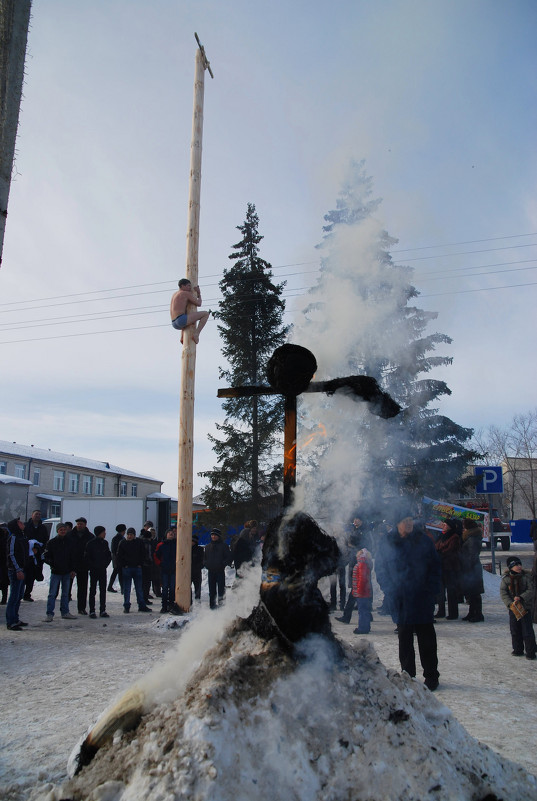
(229, 716)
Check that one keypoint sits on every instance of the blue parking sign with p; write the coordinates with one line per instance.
(490, 480)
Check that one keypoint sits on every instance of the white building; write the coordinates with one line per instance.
(56, 476)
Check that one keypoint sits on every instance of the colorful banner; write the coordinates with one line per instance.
(435, 512)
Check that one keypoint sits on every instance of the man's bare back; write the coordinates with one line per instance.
(178, 309)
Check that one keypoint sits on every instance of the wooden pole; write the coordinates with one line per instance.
(188, 357)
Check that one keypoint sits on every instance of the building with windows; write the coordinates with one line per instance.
(57, 476)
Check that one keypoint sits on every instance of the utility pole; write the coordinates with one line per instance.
(188, 356)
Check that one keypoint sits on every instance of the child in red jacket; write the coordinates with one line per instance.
(362, 590)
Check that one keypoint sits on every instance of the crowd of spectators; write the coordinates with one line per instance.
(79, 562)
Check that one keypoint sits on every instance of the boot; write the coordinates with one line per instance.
(475, 613)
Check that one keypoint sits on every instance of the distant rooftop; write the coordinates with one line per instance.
(29, 452)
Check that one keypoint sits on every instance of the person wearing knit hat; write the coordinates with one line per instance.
(98, 557)
(516, 591)
(216, 558)
(116, 572)
(196, 565)
(411, 573)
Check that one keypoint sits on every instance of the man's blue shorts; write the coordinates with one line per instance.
(179, 322)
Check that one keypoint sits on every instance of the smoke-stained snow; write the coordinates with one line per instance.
(243, 721)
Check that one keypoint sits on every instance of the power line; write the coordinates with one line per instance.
(481, 289)
(286, 312)
(469, 252)
(169, 282)
(138, 286)
(469, 242)
(489, 272)
(277, 267)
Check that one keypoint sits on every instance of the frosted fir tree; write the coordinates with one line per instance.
(362, 319)
(248, 454)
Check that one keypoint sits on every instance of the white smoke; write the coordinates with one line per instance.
(168, 679)
(348, 312)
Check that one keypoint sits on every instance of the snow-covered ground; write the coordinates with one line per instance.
(58, 677)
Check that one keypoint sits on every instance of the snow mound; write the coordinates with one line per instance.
(334, 724)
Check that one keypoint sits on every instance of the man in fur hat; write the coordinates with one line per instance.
(412, 575)
(516, 591)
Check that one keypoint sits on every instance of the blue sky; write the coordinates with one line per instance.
(439, 98)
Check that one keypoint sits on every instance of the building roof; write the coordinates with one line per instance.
(43, 455)
(5, 479)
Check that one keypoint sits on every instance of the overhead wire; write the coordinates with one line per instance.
(444, 273)
(283, 266)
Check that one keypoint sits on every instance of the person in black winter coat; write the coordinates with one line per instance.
(60, 555)
(4, 579)
(448, 547)
(80, 536)
(196, 566)
(116, 573)
(34, 529)
(165, 557)
(412, 574)
(17, 562)
(131, 555)
(216, 558)
(147, 565)
(98, 557)
(357, 539)
(471, 570)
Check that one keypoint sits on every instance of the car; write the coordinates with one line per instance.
(502, 534)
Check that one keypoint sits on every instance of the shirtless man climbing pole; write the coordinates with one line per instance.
(178, 312)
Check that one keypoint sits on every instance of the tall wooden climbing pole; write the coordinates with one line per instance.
(188, 356)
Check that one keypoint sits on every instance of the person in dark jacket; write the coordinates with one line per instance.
(98, 557)
(17, 560)
(165, 557)
(147, 565)
(4, 578)
(116, 573)
(517, 586)
(357, 539)
(131, 555)
(244, 547)
(196, 566)
(216, 558)
(471, 569)
(412, 572)
(156, 582)
(34, 529)
(80, 536)
(448, 546)
(60, 555)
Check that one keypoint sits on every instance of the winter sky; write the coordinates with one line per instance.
(439, 98)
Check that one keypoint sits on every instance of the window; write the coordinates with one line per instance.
(55, 509)
(87, 484)
(59, 480)
(3, 468)
(20, 470)
(74, 482)
(123, 489)
(134, 490)
(37, 476)
(99, 486)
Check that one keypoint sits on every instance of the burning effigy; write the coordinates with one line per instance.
(280, 708)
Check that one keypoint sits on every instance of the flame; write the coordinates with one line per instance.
(319, 432)
(289, 469)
